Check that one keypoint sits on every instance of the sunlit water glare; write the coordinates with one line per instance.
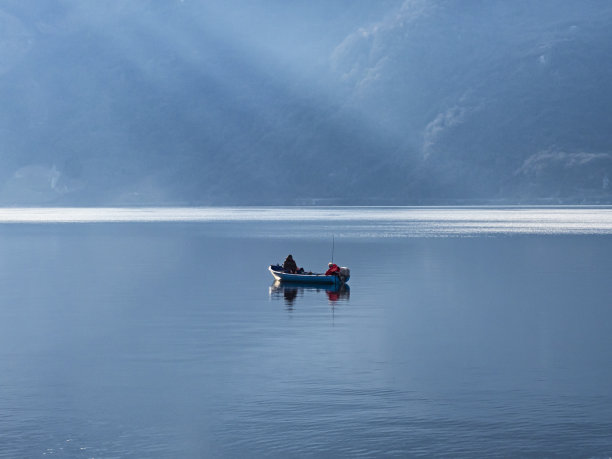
(366, 221)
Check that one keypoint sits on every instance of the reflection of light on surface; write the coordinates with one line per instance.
(355, 221)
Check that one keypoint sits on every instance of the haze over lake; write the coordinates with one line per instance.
(471, 332)
(354, 102)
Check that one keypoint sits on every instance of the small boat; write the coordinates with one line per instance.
(310, 278)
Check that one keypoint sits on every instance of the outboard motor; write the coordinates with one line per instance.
(344, 274)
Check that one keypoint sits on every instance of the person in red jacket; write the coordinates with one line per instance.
(333, 269)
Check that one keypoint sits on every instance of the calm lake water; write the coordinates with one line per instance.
(159, 333)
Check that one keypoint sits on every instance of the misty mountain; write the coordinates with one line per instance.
(390, 102)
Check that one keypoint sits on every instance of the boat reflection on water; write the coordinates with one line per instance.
(290, 291)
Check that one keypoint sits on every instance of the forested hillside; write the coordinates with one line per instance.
(390, 102)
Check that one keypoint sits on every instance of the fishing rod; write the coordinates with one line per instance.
(333, 246)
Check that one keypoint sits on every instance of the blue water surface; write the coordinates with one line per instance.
(169, 338)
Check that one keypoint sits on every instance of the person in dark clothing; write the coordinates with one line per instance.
(289, 265)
